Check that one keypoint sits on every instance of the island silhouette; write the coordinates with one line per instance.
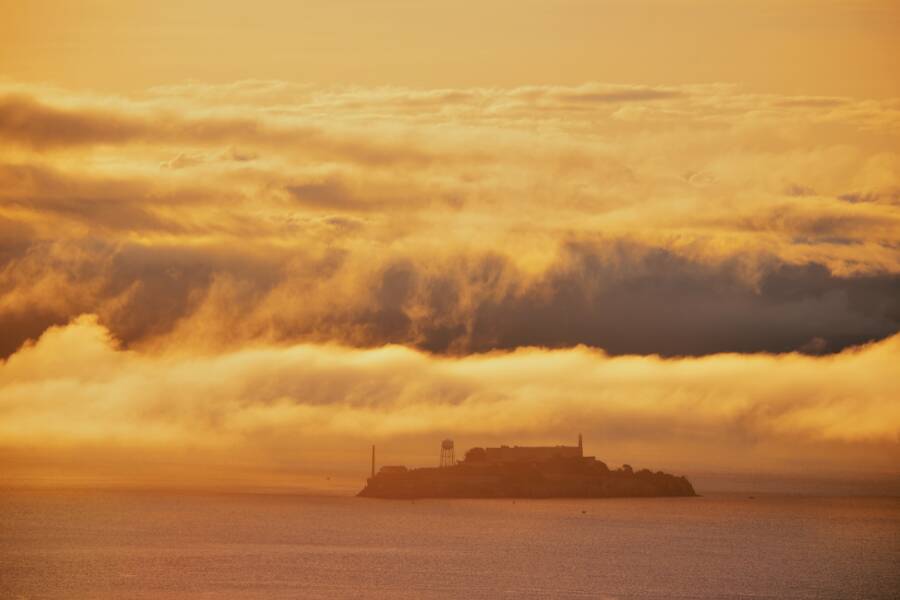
(521, 472)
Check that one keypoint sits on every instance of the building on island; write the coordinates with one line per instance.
(514, 454)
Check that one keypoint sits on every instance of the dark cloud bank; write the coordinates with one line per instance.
(619, 296)
(636, 301)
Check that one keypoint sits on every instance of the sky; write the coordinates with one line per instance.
(240, 244)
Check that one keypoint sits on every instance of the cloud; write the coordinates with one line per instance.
(627, 95)
(331, 194)
(184, 161)
(451, 220)
(279, 273)
(886, 196)
(623, 297)
(27, 121)
(75, 387)
(636, 300)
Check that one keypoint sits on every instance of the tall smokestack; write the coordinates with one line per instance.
(373, 460)
(580, 446)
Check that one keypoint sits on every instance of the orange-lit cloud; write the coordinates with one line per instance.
(275, 267)
(76, 389)
(453, 220)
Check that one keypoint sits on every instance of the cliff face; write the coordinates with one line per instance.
(572, 478)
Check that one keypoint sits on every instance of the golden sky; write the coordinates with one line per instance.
(817, 47)
(241, 242)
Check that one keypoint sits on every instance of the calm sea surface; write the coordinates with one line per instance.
(156, 545)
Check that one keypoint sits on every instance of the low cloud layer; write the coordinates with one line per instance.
(315, 408)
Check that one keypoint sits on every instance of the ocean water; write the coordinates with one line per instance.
(178, 545)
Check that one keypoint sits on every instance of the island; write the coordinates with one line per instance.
(521, 472)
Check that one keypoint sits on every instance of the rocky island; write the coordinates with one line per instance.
(521, 472)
